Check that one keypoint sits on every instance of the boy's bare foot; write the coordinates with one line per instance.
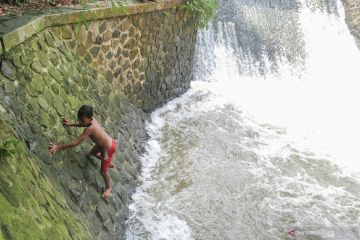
(106, 194)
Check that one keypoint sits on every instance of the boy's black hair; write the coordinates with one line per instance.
(85, 111)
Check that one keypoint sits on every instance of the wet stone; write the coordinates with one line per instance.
(66, 32)
(133, 54)
(8, 70)
(72, 44)
(37, 85)
(49, 39)
(137, 87)
(59, 107)
(49, 97)
(109, 76)
(36, 67)
(44, 120)
(44, 60)
(116, 34)
(126, 65)
(17, 62)
(98, 40)
(103, 27)
(107, 35)
(21, 96)
(54, 58)
(136, 63)
(94, 51)
(43, 104)
(123, 38)
(9, 87)
(42, 44)
(55, 74)
(109, 55)
(127, 88)
(88, 58)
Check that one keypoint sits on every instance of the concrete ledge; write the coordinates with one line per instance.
(13, 37)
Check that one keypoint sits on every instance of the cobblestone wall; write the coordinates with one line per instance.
(352, 17)
(124, 67)
(148, 57)
(41, 81)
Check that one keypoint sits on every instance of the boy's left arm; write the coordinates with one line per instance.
(53, 148)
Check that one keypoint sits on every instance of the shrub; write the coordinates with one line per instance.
(203, 11)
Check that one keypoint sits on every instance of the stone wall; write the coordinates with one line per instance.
(352, 17)
(41, 81)
(30, 205)
(148, 57)
(124, 66)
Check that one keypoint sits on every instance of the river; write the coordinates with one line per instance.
(264, 145)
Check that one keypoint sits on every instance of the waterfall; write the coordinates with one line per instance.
(264, 144)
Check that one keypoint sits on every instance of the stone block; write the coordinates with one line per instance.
(66, 32)
(49, 39)
(9, 87)
(36, 67)
(102, 27)
(43, 104)
(16, 60)
(98, 40)
(55, 74)
(133, 54)
(94, 51)
(116, 34)
(45, 120)
(37, 84)
(123, 38)
(44, 60)
(107, 35)
(8, 70)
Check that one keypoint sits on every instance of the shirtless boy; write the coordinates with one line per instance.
(103, 149)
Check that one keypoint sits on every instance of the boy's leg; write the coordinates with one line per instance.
(97, 151)
(106, 176)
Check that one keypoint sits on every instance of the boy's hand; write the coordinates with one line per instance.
(64, 121)
(53, 148)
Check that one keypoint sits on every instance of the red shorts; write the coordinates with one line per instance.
(107, 156)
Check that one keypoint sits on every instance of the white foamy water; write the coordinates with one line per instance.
(264, 144)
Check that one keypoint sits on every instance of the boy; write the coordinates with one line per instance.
(103, 149)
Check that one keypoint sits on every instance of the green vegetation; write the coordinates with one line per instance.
(203, 10)
(82, 21)
(8, 149)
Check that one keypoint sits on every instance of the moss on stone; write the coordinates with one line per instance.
(27, 211)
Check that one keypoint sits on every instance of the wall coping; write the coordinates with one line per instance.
(17, 30)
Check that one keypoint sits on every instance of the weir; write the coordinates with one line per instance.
(263, 144)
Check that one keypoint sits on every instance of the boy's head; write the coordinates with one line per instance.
(85, 114)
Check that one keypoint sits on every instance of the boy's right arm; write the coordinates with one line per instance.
(66, 122)
(53, 148)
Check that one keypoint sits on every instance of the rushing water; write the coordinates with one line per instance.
(265, 143)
